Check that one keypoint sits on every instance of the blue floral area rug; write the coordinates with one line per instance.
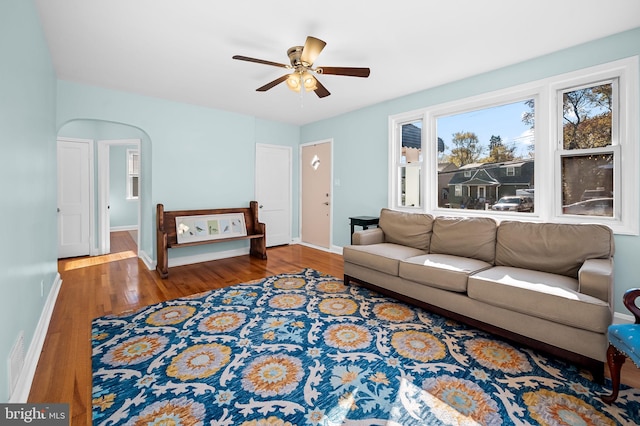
(304, 349)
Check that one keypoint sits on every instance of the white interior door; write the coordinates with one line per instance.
(74, 203)
(273, 192)
(316, 172)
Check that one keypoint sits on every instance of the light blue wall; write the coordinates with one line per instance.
(361, 138)
(200, 157)
(123, 212)
(28, 233)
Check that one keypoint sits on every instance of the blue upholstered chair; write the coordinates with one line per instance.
(624, 342)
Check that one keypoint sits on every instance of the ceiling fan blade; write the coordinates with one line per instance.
(272, 84)
(259, 61)
(312, 48)
(351, 72)
(321, 91)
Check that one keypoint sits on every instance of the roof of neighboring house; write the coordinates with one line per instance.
(446, 167)
(491, 174)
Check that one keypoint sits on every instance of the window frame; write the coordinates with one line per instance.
(548, 145)
(395, 170)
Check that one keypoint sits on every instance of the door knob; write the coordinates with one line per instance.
(260, 206)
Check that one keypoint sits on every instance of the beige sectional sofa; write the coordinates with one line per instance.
(545, 285)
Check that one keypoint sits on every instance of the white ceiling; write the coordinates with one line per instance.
(181, 49)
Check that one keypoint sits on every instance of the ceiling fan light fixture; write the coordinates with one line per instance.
(293, 82)
(296, 81)
(309, 81)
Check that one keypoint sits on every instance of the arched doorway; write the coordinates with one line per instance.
(111, 138)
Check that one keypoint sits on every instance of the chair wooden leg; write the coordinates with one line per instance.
(615, 359)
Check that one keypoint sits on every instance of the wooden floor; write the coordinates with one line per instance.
(119, 282)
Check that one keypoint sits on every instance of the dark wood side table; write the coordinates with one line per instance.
(363, 221)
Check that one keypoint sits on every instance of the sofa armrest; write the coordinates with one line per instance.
(368, 236)
(595, 279)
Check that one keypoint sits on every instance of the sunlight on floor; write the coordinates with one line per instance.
(453, 408)
(97, 260)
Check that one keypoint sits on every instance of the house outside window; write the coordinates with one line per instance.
(133, 174)
(557, 142)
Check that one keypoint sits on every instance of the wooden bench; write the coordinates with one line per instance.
(167, 236)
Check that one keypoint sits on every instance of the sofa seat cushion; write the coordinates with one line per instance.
(443, 271)
(383, 257)
(540, 294)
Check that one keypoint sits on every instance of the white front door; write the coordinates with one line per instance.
(273, 192)
(316, 172)
(74, 203)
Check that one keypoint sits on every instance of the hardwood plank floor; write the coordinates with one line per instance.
(119, 282)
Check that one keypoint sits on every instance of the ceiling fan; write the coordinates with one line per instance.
(302, 59)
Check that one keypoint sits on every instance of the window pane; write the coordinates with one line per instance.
(134, 186)
(133, 167)
(586, 117)
(411, 142)
(487, 154)
(410, 187)
(587, 185)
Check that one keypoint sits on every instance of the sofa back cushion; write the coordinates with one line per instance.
(473, 237)
(552, 247)
(408, 229)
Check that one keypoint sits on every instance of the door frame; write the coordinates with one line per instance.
(92, 236)
(322, 141)
(104, 228)
(289, 151)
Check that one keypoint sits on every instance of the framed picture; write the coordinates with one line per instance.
(210, 227)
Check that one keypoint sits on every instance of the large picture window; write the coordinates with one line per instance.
(489, 154)
(549, 150)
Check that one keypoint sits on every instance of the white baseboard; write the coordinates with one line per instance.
(23, 387)
(333, 249)
(619, 318)
(123, 228)
(147, 260)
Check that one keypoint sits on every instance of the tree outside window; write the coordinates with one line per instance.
(587, 158)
